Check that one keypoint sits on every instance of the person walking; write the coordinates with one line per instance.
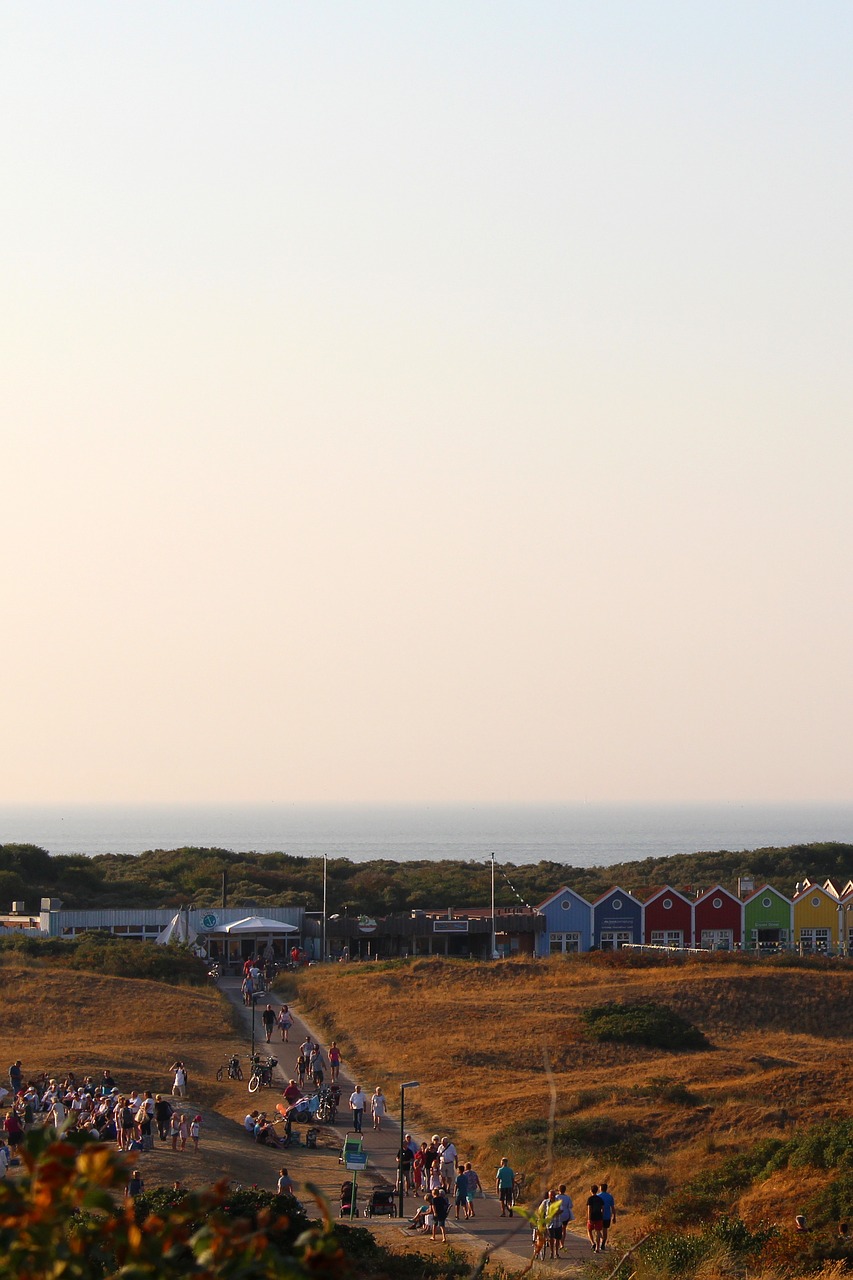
(377, 1107)
(566, 1210)
(609, 1218)
(268, 1019)
(474, 1185)
(460, 1188)
(594, 1218)
(357, 1104)
(195, 1131)
(550, 1213)
(334, 1061)
(285, 1022)
(162, 1115)
(504, 1183)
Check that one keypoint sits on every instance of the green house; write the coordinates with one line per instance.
(767, 920)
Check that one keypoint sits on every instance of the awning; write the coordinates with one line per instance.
(257, 924)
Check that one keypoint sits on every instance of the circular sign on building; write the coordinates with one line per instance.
(209, 921)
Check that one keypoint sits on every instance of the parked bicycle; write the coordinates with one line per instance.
(262, 1072)
(235, 1071)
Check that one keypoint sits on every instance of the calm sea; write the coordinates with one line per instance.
(580, 835)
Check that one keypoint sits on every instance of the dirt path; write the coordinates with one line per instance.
(508, 1239)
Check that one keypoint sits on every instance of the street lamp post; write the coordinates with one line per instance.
(409, 1084)
(494, 935)
(325, 862)
(253, 1024)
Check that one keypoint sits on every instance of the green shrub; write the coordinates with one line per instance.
(642, 1022)
(665, 1089)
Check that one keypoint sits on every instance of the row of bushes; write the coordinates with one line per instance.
(116, 957)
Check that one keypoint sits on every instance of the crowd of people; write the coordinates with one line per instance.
(100, 1108)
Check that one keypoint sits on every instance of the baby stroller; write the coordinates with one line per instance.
(349, 1200)
(382, 1201)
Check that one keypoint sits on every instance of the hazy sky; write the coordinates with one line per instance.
(425, 401)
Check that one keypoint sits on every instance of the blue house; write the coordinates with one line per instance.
(568, 924)
(617, 918)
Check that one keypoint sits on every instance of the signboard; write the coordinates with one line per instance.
(450, 926)
(356, 1161)
(209, 921)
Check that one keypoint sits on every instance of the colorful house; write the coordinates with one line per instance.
(816, 920)
(767, 920)
(568, 923)
(668, 919)
(617, 918)
(718, 920)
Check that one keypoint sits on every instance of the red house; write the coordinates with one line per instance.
(668, 919)
(718, 920)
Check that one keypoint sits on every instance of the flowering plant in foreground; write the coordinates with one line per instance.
(66, 1217)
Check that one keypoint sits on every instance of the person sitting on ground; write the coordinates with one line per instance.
(265, 1132)
(423, 1211)
(250, 1121)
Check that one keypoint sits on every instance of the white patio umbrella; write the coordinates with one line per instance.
(257, 924)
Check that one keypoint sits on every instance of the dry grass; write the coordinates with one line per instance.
(477, 1037)
(134, 1027)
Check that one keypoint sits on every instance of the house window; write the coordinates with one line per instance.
(815, 939)
(617, 904)
(717, 903)
(667, 937)
(613, 939)
(717, 939)
(565, 904)
(765, 902)
(563, 943)
(667, 904)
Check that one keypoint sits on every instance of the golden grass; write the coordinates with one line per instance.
(483, 1039)
(58, 1020)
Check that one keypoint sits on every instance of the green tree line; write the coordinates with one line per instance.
(175, 877)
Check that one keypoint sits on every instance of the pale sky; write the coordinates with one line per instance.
(425, 401)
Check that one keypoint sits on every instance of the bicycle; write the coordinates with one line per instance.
(518, 1187)
(261, 1072)
(235, 1071)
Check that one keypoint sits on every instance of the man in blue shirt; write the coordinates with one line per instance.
(609, 1212)
(504, 1182)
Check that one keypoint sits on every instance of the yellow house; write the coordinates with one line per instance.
(816, 920)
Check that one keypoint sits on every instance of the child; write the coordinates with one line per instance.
(195, 1131)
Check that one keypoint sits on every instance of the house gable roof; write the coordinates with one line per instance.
(718, 888)
(815, 888)
(765, 888)
(617, 889)
(559, 894)
(667, 888)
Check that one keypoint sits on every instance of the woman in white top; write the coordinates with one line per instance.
(377, 1107)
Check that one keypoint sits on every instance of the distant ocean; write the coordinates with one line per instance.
(580, 835)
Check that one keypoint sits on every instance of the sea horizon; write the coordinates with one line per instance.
(580, 835)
